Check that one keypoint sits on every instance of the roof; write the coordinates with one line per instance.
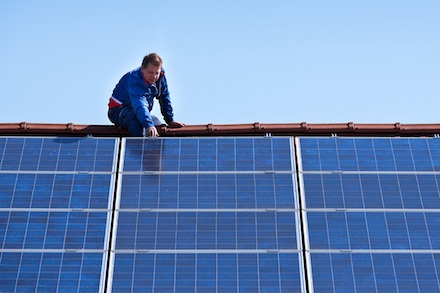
(254, 129)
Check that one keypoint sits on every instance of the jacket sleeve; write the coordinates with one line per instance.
(165, 102)
(140, 103)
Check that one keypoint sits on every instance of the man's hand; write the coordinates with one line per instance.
(152, 131)
(176, 124)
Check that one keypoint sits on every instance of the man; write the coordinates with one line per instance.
(133, 98)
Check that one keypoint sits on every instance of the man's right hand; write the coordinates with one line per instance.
(152, 131)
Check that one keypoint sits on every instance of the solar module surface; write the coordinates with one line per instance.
(371, 207)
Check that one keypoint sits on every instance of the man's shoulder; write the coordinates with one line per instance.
(135, 72)
(133, 76)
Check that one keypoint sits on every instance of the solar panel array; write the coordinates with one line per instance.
(55, 212)
(372, 213)
(219, 214)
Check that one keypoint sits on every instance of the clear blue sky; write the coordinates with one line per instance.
(227, 62)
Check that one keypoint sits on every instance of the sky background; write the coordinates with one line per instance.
(226, 62)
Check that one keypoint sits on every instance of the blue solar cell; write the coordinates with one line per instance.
(12, 149)
(426, 270)
(50, 272)
(365, 155)
(433, 222)
(187, 156)
(199, 154)
(405, 273)
(53, 230)
(434, 149)
(428, 192)
(328, 154)
(371, 191)
(208, 191)
(383, 155)
(207, 156)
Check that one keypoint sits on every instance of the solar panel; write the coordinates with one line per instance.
(53, 229)
(208, 154)
(201, 230)
(372, 190)
(370, 154)
(207, 214)
(207, 272)
(375, 272)
(389, 230)
(55, 209)
(371, 208)
(207, 190)
(55, 190)
(47, 271)
(56, 154)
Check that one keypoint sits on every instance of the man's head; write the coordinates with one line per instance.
(151, 67)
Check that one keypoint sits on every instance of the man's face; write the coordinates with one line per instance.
(151, 73)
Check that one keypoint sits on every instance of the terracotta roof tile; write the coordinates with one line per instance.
(254, 129)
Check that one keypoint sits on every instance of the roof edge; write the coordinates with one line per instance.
(283, 129)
